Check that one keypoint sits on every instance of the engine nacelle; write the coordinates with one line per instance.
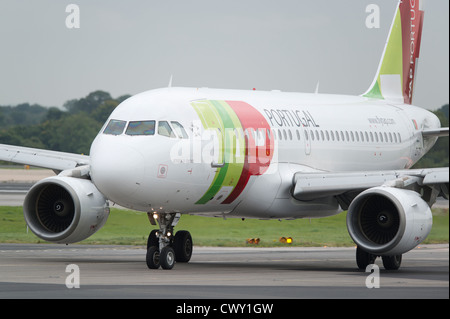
(65, 209)
(387, 221)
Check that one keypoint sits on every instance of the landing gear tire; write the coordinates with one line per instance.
(183, 246)
(392, 262)
(153, 258)
(164, 249)
(153, 239)
(364, 259)
(167, 258)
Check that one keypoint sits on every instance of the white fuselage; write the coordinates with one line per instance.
(248, 173)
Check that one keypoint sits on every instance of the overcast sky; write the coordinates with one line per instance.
(126, 47)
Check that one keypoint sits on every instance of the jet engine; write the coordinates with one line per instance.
(65, 209)
(386, 221)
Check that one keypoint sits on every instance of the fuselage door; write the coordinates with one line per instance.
(307, 139)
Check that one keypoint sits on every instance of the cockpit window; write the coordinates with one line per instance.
(141, 128)
(179, 129)
(164, 129)
(115, 127)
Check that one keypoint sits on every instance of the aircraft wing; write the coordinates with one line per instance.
(312, 186)
(57, 161)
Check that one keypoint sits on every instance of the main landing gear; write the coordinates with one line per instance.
(363, 259)
(164, 249)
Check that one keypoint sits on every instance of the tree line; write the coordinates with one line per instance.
(438, 155)
(73, 128)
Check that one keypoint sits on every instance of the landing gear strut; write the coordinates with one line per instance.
(363, 259)
(163, 248)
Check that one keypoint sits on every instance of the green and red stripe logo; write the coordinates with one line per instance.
(245, 146)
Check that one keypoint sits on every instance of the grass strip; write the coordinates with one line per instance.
(126, 227)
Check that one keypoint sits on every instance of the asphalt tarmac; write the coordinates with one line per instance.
(108, 272)
(40, 271)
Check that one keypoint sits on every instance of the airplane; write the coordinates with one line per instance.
(256, 154)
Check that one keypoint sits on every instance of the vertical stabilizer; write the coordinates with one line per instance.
(395, 76)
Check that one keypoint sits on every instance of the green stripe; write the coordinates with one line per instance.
(210, 120)
(219, 115)
(392, 62)
(222, 172)
(231, 122)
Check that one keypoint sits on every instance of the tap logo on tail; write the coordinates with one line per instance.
(395, 77)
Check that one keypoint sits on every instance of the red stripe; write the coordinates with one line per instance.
(412, 22)
(258, 161)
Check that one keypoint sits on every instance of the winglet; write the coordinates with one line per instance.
(398, 66)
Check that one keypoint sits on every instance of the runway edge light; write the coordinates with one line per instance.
(253, 241)
(286, 240)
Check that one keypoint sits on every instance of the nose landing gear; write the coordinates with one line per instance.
(164, 249)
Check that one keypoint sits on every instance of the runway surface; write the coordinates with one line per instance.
(39, 271)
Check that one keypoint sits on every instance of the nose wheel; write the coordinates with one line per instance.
(164, 249)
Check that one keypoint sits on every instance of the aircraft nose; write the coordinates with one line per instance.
(117, 170)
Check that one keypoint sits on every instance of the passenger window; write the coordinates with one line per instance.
(164, 129)
(298, 135)
(179, 129)
(115, 127)
(136, 128)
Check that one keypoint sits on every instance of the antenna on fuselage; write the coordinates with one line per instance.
(170, 81)
(317, 88)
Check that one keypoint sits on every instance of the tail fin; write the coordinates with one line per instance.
(395, 76)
